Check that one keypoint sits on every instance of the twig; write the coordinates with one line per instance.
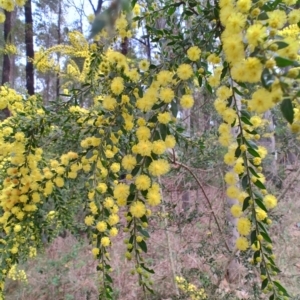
(205, 196)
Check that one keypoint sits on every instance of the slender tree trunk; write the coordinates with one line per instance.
(29, 48)
(13, 57)
(6, 60)
(58, 43)
(7, 39)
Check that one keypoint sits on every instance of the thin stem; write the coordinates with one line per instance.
(175, 162)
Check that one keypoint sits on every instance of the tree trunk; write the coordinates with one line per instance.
(6, 60)
(29, 48)
(7, 39)
(58, 43)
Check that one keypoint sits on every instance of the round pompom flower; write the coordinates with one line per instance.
(159, 167)
(101, 226)
(138, 209)
(128, 162)
(117, 85)
(243, 226)
(270, 201)
(194, 53)
(184, 71)
(187, 101)
(143, 182)
(242, 244)
(105, 241)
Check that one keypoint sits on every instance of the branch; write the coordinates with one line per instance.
(93, 7)
(99, 6)
(205, 196)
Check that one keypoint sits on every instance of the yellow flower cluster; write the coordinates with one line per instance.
(16, 274)
(10, 5)
(190, 289)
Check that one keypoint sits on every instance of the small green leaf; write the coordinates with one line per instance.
(266, 237)
(108, 278)
(260, 204)
(253, 237)
(246, 203)
(262, 227)
(89, 154)
(147, 269)
(253, 152)
(284, 62)
(259, 184)
(135, 170)
(263, 16)
(200, 80)
(143, 232)
(143, 246)
(163, 131)
(253, 172)
(264, 283)
(272, 297)
(281, 288)
(287, 110)
(246, 121)
(238, 152)
(281, 45)
(245, 182)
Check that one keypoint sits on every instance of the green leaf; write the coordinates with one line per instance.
(135, 170)
(143, 246)
(246, 121)
(264, 283)
(245, 182)
(263, 16)
(253, 237)
(281, 288)
(246, 203)
(266, 237)
(208, 87)
(108, 278)
(163, 131)
(143, 232)
(250, 144)
(262, 227)
(238, 152)
(259, 184)
(272, 297)
(256, 255)
(200, 80)
(245, 114)
(287, 110)
(260, 204)
(171, 10)
(281, 45)
(89, 154)
(253, 152)
(147, 269)
(224, 71)
(284, 62)
(253, 172)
